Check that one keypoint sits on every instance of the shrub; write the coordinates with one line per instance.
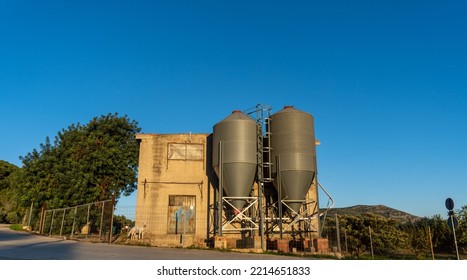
(16, 227)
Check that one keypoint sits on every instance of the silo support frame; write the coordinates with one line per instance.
(241, 216)
(305, 216)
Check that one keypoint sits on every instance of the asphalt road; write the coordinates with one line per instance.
(18, 245)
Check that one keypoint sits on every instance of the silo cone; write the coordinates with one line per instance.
(236, 135)
(293, 144)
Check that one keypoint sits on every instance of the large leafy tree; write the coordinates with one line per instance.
(8, 206)
(86, 163)
(462, 229)
(6, 169)
(419, 233)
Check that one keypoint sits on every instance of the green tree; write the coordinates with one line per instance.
(386, 236)
(9, 211)
(443, 240)
(86, 163)
(461, 232)
(441, 235)
(418, 236)
(397, 239)
(6, 169)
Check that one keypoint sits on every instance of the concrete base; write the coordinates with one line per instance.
(283, 245)
(321, 245)
(271, 245)
(170, 240)
(220, 242)
(248, 243)
(307, 245)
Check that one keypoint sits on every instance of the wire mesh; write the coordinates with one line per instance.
(92, 220)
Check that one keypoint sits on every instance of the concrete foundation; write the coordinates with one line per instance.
(220, 242)
(283, 246)
(321, 245)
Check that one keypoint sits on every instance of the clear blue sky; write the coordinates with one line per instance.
(386, 81)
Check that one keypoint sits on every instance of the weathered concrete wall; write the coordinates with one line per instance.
(165, 171)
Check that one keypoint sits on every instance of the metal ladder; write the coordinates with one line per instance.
(261, 115)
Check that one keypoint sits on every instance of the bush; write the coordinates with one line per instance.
(16, 227)
(12, 217)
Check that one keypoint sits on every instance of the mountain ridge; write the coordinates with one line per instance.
(381, 210)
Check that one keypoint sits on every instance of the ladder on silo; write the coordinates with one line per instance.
(261, 114)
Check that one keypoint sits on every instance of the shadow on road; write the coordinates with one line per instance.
(17, 245)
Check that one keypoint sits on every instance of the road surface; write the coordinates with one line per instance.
(18, 245)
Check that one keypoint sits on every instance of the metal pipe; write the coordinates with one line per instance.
(321, 227)
(221, 190)
(279, 183)
(174, 183)
(454, 233)
(261, 215)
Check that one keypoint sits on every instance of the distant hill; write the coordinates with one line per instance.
(381, 210)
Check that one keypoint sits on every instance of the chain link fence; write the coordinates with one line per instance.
(102, 222)
(93, 221)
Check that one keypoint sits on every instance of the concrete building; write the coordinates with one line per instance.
(178, 199)
(173, 187)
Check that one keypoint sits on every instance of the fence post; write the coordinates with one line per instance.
(112, 217)
(41, 225)
(63, 220)
(52, 222)
(30, 215)
(431, 243)
(338, 235)
(87, 221)
(345, 236)
(371, 244)
(74, 219)
(102, 221)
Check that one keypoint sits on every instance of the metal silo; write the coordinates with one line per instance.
(293, 144)
(235, 137)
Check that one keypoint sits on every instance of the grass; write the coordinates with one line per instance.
(403, 257)
(16, 227)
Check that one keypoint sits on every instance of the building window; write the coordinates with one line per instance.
(182, 214)
(184, 151)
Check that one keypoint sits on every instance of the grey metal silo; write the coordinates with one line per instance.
(293, 143)
(236, 135)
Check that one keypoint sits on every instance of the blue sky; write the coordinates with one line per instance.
(386, 81)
